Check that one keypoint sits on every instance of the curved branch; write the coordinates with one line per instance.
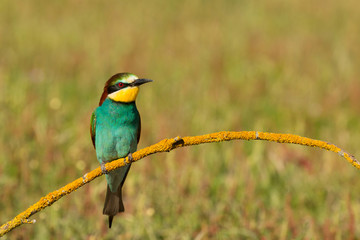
(167, 145)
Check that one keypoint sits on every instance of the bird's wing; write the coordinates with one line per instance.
(93, 127)
(139, 130)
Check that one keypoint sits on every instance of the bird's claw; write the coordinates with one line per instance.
(130, 157)
(103, 168)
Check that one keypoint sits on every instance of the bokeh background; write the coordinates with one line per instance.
(271, 65)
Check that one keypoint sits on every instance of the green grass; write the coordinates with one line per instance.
(278, 66)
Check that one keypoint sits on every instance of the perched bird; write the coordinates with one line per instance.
(115, 131)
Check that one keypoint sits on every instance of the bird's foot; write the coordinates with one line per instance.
(103, 168)
(130, 157)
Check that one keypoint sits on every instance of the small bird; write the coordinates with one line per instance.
(115, 131)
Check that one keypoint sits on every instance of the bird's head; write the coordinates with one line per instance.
(122, 87)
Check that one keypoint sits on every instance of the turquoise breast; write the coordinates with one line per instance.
(117, 126)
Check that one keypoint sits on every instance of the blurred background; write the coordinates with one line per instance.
(277, 66)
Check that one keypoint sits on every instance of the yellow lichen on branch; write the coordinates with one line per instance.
(167, 145)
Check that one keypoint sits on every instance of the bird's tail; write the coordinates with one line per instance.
(113, 203)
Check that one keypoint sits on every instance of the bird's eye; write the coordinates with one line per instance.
(120, 84)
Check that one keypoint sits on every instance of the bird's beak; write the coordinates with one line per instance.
(140, 81)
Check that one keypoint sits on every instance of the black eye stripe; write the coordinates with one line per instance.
(114, 88)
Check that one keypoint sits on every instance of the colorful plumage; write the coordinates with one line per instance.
(115, 131)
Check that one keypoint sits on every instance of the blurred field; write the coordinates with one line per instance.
(278, 66)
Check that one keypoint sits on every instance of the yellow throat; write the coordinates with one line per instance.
(125, 95)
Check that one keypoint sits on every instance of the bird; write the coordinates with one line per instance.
(115, 128)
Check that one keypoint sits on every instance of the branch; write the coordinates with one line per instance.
(167, 145)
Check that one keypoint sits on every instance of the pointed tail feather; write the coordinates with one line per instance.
(113, 203)
(110, 220)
